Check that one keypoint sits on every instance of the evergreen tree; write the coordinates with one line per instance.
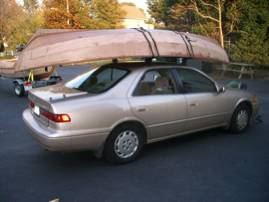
(199, 16)
(244, 23)
(252, 44)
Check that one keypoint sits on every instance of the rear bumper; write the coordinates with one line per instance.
(56, 140)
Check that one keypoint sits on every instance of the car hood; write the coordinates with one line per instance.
(56, 92)
(239, 93)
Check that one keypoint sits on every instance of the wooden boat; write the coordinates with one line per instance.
(52, 47)
(7, 70)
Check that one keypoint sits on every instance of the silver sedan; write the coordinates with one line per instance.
(116, 109)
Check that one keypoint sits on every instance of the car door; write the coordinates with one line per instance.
(157, 101)
(206, 107)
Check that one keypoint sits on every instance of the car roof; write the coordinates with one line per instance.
(144, 66)
(131, 66)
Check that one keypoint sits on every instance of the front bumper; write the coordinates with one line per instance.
(255, 111)
(58, 140)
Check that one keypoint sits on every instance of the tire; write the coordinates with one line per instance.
(124, 144)
(240, 119)
(19, 90)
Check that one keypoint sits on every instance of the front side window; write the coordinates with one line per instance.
(194, 82)
(156, 82)
(98, 81)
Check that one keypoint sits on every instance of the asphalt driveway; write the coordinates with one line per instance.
(207, 166)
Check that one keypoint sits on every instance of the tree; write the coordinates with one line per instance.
(244, 23)
(251, 42)
(106, 14)
(10, 16)
(18, 23)
(26, 27)
(216, 18)
(161, 13)
(211, 12)
(66, 14)
(30, 5)
(212, 18)
(78, 14)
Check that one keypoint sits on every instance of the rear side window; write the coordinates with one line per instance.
(98, 81)
(156, 82)
(194, 82)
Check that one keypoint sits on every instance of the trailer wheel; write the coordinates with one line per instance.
(19, 89)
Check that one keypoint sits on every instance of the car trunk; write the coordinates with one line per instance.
(41, 100)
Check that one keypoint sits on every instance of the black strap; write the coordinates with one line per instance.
(154, 42)
(184, 37)
(187, 43)
(145, 36)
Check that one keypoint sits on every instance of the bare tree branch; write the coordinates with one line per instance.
(196, 9)
(231, 29)
(208, 4)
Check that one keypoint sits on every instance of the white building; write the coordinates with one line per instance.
(135, 17)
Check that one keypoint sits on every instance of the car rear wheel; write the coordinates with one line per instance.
(19, 90)
(240, 119)
(124, 144)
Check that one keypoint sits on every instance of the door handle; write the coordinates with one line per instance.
(141, 109)
(194, 104)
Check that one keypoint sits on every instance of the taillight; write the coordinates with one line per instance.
(58, 118)
(31, 104)
(27, 83)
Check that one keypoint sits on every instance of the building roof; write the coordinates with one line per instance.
(132, 12)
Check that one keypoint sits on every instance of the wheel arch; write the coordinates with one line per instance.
(246, 102)
(106, 148)
(135, 122)
(232, 126)
(19, 88)
(18, 81)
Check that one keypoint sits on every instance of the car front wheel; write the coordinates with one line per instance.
(240, 119)
(124, 144)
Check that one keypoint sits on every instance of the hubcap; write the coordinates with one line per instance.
(126, 144)
(17, 90)
(242, 119)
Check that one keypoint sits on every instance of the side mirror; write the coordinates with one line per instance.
(243, 86)
(221, 89)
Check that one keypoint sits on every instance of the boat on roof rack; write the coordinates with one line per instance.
(48, 48)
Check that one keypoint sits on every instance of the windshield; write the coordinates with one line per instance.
(97, 80)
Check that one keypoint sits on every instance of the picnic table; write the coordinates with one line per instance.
(241, 68)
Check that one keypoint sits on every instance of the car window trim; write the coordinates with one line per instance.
(179, 84)
(114, 84)
(202, 74)
(152, 69)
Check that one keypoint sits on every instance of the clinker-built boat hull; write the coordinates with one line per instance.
(53, 47)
